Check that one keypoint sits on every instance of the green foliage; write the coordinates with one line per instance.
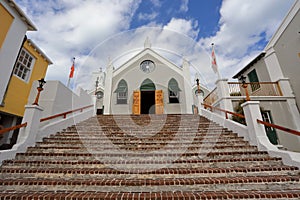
(238, 109)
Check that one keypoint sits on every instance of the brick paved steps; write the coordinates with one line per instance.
(159, 172)
(147, 157)
(154, 185)
(170, 195)
(176, 195)
(221, 163)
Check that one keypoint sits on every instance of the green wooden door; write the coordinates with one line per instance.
(271, 132)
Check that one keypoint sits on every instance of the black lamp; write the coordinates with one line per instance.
(198, 85)
(243, 79)
(41, 83)
(40, 88)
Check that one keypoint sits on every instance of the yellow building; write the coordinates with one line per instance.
(21, 63)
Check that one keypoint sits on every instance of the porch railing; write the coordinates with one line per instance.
(226, 112)
(279, 127)
(2, 131)
(211, 97)
(254, 89)
(64, 114)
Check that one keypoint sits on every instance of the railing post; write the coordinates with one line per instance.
(224, 95)
(28, 134)
(256, 131)
(94, 100)
(200, 103)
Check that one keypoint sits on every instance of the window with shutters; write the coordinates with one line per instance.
(122, 92)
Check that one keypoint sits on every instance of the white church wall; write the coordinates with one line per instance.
(57, 98)
(160, 77)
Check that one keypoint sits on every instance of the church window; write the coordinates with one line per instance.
(24, 65)
(122, 92)
(174, 90)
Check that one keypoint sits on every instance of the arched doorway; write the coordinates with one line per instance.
(147, 90)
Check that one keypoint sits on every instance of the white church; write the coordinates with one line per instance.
(148, 83)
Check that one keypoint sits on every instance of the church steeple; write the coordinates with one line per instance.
(147, 43)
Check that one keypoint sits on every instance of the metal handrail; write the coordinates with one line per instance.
(225, 111)
(64, 114)
(279, 127)
(13, 128)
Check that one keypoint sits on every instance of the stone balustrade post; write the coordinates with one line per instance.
(256, 131)
(32, 116)
(223, 94)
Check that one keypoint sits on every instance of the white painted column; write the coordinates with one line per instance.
(273, 65)
(108, 89)
(223, 94)
(187, 86)
(256, 131)
(94, 101)
(32, 116)
(276, 74)
(199, 103)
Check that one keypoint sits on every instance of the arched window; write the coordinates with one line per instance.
(122, 92)
(173, 91)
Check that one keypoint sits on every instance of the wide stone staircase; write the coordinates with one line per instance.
(147, 157)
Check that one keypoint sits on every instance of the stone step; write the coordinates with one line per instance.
(139, 148)
(174, 195)
(154, 185)
(119, 157)
(212, 163)
(147, 157)
(148, 172)
(193, 144)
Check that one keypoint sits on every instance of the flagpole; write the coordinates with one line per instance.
(68, 84)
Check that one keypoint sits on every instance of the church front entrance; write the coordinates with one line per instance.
(147, 102)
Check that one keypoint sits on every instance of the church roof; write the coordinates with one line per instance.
(143, 53)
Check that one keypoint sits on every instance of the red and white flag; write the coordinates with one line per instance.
(72, 69)
(214, 60)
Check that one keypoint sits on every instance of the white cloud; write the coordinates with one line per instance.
(242, 25)
(184, 6)
(92, 31)
(73, 28)
(147, 16)
(156, 3)
(187, 27)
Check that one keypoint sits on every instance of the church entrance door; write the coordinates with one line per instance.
(147, 97)
(147, 102)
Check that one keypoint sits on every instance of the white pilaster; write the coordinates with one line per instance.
(223, 94)
(94, 101)
(199, 103)
(187, 86)
(108, 89)
(273, 65)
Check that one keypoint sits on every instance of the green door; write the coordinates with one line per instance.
(271, 132)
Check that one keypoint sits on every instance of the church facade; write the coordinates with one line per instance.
(147, 83)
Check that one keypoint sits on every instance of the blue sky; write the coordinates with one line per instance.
(96, 31)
